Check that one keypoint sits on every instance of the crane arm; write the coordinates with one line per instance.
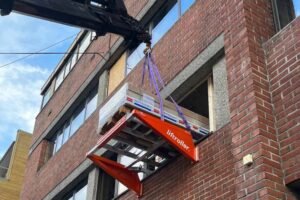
(101, 16)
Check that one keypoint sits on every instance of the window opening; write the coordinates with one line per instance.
(197, 100)
(284, 12)
(295, 188)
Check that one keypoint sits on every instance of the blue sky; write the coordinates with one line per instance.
(20, 83)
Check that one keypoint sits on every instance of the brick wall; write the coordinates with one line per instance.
(211, 178)
(246, 25)
(39, 182)
(283, 61)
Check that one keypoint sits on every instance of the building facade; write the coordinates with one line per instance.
(12, 167)
(234, 62)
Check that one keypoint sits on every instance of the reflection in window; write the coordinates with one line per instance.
(135, 57)
(80, 193)
(165, 24)
(91, 106)
(59, 78)
(68, 68)
(66, 133)
(47, 96)
(73, 59)
(77, 120)
(58, 142)
(85, 43)
(84, 110)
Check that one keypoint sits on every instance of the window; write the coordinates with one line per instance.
(66, 133)
(47, 96)
(58, 141)
(71, 125)
(69, 64)
(91, 105)
(85, 43)
(79, 193)
(284, 12)
(68, 68)
(73, 59)
(197, 100)
(77, 120)
(162, 23)
(165, 24)
(59, 78)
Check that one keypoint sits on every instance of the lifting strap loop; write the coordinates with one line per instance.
(154, 77)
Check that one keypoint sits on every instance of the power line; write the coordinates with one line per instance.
(31, 54)
(53, 53)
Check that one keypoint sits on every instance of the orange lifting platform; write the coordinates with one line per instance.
(144, 143)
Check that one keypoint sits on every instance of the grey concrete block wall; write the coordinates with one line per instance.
(221, 102)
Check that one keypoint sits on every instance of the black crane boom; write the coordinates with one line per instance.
(101, 16)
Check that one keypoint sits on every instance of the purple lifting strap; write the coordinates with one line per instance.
(154, 76)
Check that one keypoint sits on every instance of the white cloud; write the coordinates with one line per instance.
(20, 83)
(31, 33)
(20, 95)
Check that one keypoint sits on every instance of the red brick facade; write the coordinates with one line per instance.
(264, 93)
(283, 61)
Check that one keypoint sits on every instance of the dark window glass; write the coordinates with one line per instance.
(284, 12)
(197, 100)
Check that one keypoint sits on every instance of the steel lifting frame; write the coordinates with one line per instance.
(126, 131)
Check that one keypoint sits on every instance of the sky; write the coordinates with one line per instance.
(21, 82)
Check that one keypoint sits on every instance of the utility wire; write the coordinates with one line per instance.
(53, 53)
(31, 54)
